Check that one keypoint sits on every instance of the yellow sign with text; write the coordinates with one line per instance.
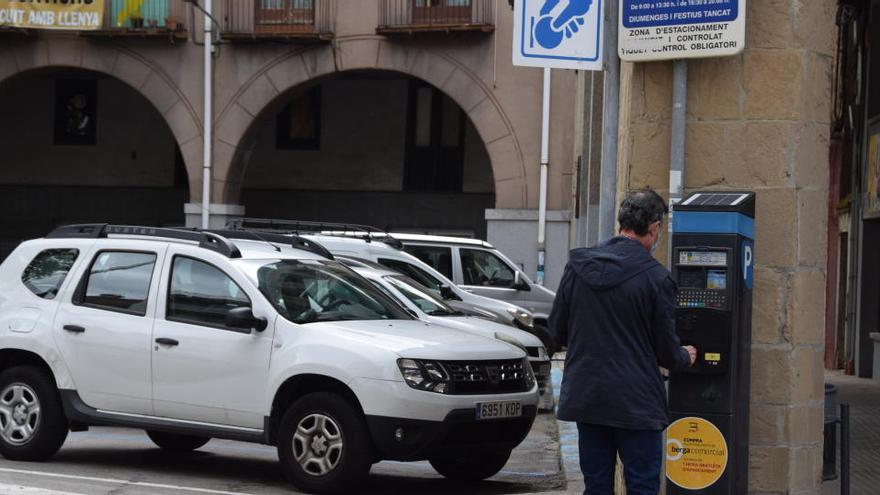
(696, 453)
(77, 15)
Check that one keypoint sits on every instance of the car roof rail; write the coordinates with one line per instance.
(293, 241)
(205, 239)
(353, 230)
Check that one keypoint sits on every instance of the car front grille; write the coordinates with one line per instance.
(487, 377)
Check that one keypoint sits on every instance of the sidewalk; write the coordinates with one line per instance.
(568, 446)
(863, 395)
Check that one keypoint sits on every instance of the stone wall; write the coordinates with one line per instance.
(760, 121)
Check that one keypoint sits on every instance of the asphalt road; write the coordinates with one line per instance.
(125, 461)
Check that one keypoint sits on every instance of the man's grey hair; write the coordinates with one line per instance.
(640, 209)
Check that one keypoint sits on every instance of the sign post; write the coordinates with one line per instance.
(673, 29)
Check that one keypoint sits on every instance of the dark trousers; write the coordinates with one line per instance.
(640, 451)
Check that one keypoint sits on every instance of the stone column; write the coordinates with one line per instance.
(760, 121)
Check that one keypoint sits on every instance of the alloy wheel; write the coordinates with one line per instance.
(317, 444)
(19, 413)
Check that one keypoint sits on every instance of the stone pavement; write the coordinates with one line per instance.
(863, 395)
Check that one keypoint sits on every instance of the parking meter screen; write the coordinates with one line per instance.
(692, 279)
(716, 279)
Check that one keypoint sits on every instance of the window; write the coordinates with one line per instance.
(118, 281)
(420, 275)
(421, 296)
(45, 274)
(75, 111)
(440, 258)
(435, 141)
(305, 291)
(201, 294)
(485, 269)
(298, 126)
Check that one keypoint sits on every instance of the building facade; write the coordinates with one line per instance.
(400, 114)
(760, 121)
(410, 116)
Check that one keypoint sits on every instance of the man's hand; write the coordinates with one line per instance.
(692, 353)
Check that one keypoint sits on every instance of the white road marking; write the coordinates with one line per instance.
(19, 489)
(116, 481)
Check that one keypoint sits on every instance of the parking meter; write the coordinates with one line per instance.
(707, 445)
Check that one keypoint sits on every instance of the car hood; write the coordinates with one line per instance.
(486, 328)
(496, 306)
(419, 340)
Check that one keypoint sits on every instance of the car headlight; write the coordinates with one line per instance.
(522, 316)
(530, 375)
(424, 375)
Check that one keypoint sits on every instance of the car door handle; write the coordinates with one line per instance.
(74, 328)
(164, 341)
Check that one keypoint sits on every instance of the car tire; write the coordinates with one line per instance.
(470, 465)
(323, 444)
(32, 422)
(543, 334)
(174, 442)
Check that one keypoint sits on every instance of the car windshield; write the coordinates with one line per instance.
(421, 296)
(308, 291)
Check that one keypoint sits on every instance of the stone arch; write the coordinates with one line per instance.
(264, 92)
(137, 71)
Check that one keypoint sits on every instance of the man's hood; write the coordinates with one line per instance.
(611, 263)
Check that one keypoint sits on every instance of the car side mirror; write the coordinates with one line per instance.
(519, 283)
(448, 294)
(243, 319)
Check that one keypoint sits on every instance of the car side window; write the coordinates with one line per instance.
(413, 271)
(438, 257)
(118, 281)
(482, 268)
(201, 294)
(47, 271)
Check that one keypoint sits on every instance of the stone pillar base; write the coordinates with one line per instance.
(515, 233)
(220, 214)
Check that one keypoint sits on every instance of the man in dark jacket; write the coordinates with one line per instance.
(614, 311)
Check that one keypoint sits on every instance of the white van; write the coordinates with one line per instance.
(478, 267)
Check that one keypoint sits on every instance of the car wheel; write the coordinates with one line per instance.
(543, 333)
(173, 442)
(323, 444)
(32, 422)
(470, 465)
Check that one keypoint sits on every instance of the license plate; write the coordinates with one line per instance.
(500, 409)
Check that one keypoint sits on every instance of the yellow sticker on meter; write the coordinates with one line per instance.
(696, 453)
(713, 356)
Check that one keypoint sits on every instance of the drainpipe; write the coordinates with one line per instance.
(208, 116)
(679, 135)
(545, 159)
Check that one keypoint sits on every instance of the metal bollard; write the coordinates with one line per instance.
(844, 449)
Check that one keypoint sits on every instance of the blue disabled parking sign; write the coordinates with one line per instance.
(562, 34)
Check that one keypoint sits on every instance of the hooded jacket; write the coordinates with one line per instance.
(614, 311)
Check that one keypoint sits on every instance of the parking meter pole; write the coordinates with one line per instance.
(844, 450)
(610, 120)
(208, 115)
(545, 159)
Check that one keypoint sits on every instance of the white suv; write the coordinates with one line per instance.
(192, 335)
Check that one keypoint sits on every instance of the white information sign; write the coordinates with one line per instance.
(562, 34)
(672, 29)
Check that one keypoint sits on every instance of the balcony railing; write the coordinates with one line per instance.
(143, 18)
(255, 19)
(411, 16)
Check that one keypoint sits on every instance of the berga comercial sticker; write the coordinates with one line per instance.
(79, 15)
(673, 29)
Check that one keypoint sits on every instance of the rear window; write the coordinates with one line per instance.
(45, 274)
